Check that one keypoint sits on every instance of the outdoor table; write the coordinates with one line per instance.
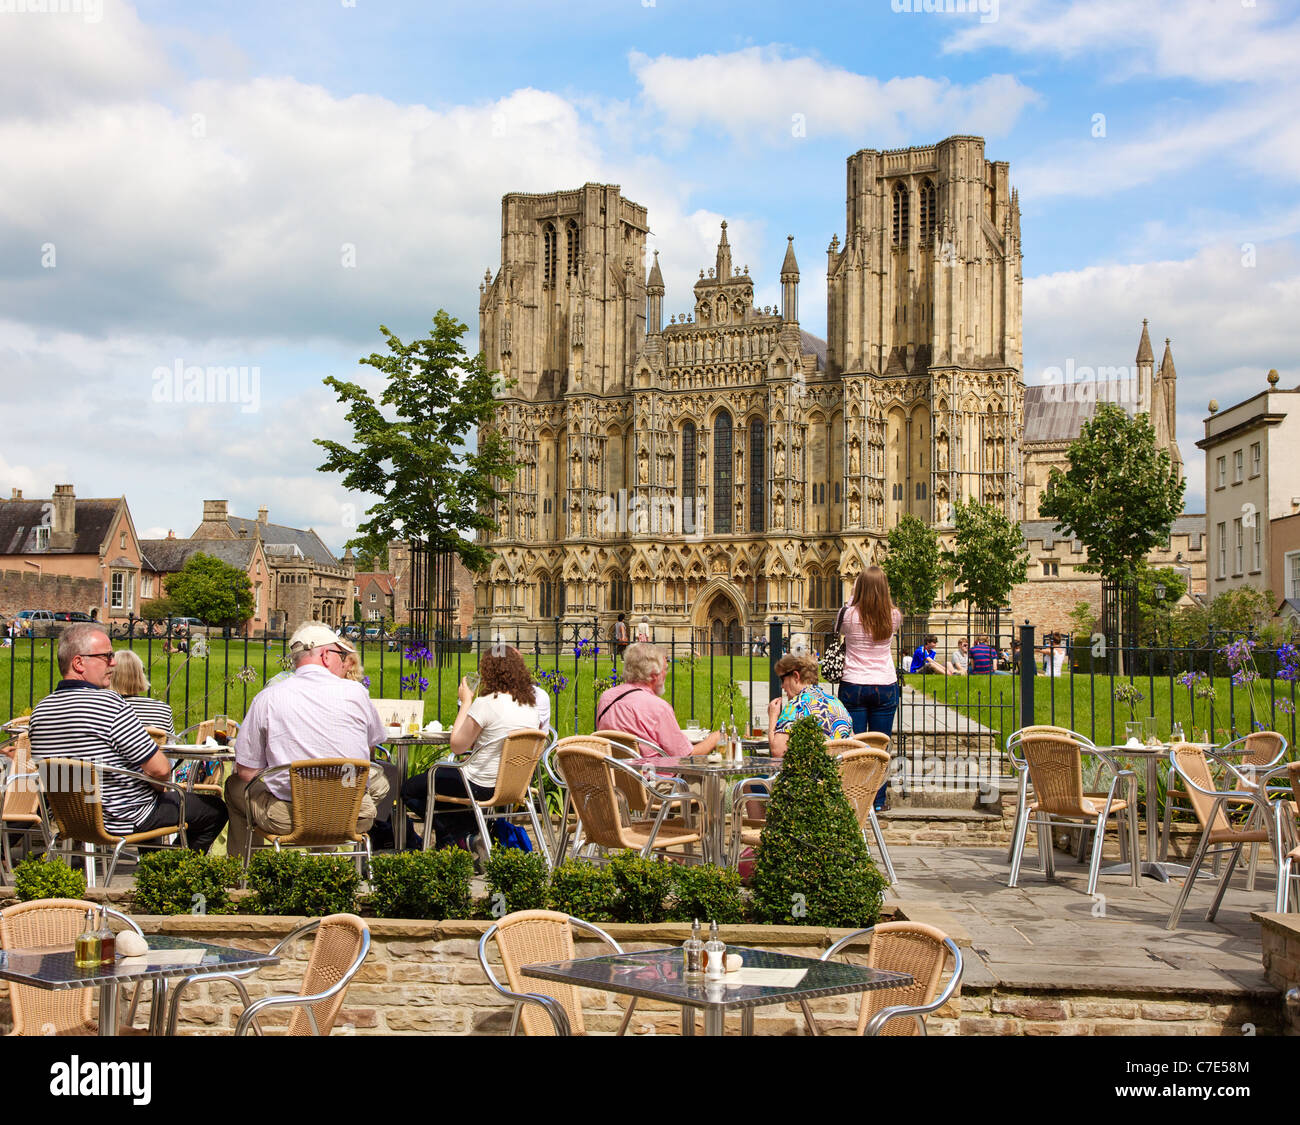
(400, 747)
(1151, 756)
(54, 968)
(658, 974)
(713, 777)
(190, 753)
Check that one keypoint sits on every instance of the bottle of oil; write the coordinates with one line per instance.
(107, 941)
(86, 954)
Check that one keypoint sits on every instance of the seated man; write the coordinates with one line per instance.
(923, 658)
(636, 706)
(316, 713)
(983, 656)
(960, 661)
(83, 718)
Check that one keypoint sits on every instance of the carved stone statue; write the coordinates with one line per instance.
(941, 452)
(855, 458)
(855, 511)
(778, 512)
(643, 466)
(778, 460)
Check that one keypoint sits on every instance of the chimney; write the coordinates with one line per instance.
(15, 494)
(63, 523)
(243, 533)
(262, 513)
(171, 534)
(215, 511)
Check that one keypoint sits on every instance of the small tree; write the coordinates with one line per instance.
(159, 609)
(214, 592)
(813, 868)
(1159, 591)
(913, 566)
(988, 557)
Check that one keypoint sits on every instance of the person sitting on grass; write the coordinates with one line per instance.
(923, 658)
(959, 664)
(802, 695)
(983, 656)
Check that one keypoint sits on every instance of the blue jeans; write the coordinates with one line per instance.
(872, 708)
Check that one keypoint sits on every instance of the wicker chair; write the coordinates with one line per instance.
(837, 746)
(325, 796)
(341, 945)
(1022, 778)
(863, 773)
(901, 947)
(541, 1006)
(21, 810)
(520, 754)
(589, 772)
(1054, 763)
(71, 790)
(38, 925)
(1217, 833)
(1259, 751)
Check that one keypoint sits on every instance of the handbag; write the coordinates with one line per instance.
(832, 662)
(510, 835)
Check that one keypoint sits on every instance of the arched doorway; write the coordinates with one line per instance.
(718, 623)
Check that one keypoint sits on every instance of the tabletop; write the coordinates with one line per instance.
(55, 968)
(438, 737)
(199, 753)
(750, 764)
(659, 974)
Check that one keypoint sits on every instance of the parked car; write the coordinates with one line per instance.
(184, 624)
(73, 617)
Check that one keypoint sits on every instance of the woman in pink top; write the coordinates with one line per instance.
(869, 689)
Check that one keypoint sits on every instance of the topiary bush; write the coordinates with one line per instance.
(179, 881)
(812, 867)
(706, 892)
(48, 877)
(432, 884)
(303, 885)
(519, 878)
(584, 890)
(641, 888)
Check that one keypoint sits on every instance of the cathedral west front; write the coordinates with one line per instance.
(718, 468)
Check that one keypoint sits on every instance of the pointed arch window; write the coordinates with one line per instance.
(928, 216)
(572, 248)
(757, 477)
(902, 206)
(549, 249)
(690, 514)
(722, 473)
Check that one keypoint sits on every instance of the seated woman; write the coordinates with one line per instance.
(130, 682)
(505, 703)
(803, 696)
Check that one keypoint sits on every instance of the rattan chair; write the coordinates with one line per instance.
(341, 945)
(1054, 762)
(901, 947)
(71, 789)
(876, 739)
(520, 754)
(21, 810)
(1210, 804)
(38, 925)
(838, 746)
(1022, 782)
(589, 771)
(541, 1006)
(863, 772)
(1259, 751)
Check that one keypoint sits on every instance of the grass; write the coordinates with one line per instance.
(200, 688)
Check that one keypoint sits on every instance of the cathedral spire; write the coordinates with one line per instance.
(789, 267)
(1145, 354)
(1167, 363)
(724, 254)
(654, 288)
(790, 283)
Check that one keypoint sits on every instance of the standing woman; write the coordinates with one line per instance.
(869, 689)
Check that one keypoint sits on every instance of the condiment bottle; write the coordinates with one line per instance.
(693, 951)
(86, 951)
(107, 941)
(715, 954)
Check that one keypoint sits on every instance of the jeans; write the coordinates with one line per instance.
(872, 708)
(205, 817)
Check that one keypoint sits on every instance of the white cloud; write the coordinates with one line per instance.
(770, 94)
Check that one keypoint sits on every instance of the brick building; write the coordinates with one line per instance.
(167, 556)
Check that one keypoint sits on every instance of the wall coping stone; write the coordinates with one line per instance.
(1287, 925)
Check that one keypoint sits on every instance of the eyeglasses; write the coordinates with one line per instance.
(110, 655)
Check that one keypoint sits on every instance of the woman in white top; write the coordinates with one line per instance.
(506, 702)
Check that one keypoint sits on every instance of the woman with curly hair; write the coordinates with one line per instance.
(506, 702)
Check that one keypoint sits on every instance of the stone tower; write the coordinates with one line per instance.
(924, 327)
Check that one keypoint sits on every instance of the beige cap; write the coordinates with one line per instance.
(316, 635)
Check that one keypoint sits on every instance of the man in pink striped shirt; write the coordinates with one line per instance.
(636, 706)
(315, 713)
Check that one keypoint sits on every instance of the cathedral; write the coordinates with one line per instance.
(725, 469)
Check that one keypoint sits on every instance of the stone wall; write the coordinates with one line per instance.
(29, 589)
(1281, 942)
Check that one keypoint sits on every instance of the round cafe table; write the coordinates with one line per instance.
(399, 746)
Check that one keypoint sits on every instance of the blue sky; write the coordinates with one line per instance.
(184, 182)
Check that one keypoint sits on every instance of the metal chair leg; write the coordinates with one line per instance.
(1018, 849)
(1223, 883)
(879, 834)
(1098, 842)
(1188, 882)
(1047, 848)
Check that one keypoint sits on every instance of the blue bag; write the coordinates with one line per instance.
(510, 835)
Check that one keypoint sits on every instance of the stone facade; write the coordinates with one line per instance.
(727, 468)
(1281, 942)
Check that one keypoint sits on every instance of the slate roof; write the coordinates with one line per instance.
(19, 520)
(815, 344)
(1190, 524)
(276, 535)
(166, 556)
(1054, 414)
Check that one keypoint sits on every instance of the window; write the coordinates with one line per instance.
(121, 542)
(544, 598)
(928, 217)
(920, 490)
(118, 596)
(373, 598)
(837, 492)
(1239, 546)
(42, 538)
(549, 250)
(1259, 544)
(1238, 463)
(690, 516)
(571, 248)
(900, 215)
(897, 492)
(1221, 472)
(146, 586)
(815, 592)
(1051, 570)
(1256, 458)
(1291, 574)
(1223, 550)
(356, 591)
(757, 477)
(722, 473)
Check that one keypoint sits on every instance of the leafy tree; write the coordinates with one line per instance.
(159, 609)
(1120, 495)
(987, 559)
(214, 592)
(913, 566)
(1159, 591)
(432, 487)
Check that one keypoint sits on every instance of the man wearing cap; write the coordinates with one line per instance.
(316, 713)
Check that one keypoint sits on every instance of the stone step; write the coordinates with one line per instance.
(949, 815)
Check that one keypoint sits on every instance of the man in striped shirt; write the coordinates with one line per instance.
(83, 718)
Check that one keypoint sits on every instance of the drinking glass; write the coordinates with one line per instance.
(472, 681)
(1149, 735)
(1133, 732)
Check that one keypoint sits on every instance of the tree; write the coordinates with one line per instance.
(370, 560)
(159, 609)
(913, 566)
(987, 559)
(212, 591)
(1159, 591)
(432, 488)
(1119, 497)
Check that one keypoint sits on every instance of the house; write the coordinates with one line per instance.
(373, 590)
(162, 557)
